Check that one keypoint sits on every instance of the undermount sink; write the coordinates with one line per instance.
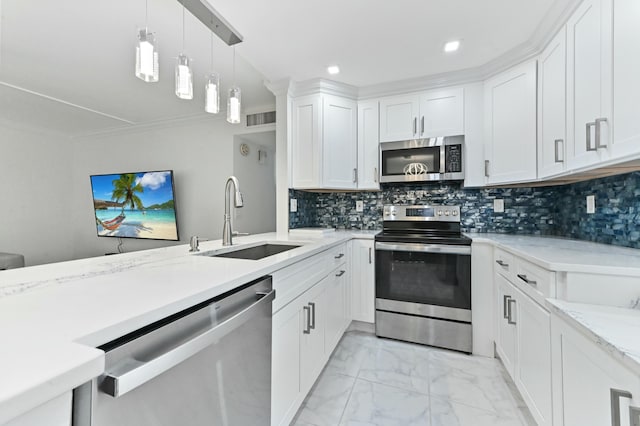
(257, 252)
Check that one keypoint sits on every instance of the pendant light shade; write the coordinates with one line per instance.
(184, 77)
(233, 105)
(146, 52)
(234, 102)
(147, 57)
(212, 94)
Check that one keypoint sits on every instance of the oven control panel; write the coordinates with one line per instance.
(421, 213)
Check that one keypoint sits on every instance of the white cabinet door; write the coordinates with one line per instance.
(314, 318)
(363, 281)
(368, 146)
(399, 118)
(339, 143)
(589, 83)
(510, 125)
(335, 309)
(56, 412)
(587, 376)
(552, 84)
(306, 144)
(533, 365)
(442, 113)
(626, 69)
(506, 317)
(285, 363)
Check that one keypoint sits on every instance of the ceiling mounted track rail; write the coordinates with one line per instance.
(202, 10)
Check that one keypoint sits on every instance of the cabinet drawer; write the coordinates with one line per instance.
(504, 263)
(337, 255)
(533, 280)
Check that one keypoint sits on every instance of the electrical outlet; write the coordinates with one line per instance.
(498, 205)
(359, 206)
(591, 204)
(293, 205)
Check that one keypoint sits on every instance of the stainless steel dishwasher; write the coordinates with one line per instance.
(208, 365)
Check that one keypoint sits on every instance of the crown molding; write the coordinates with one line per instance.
(553, 21)
(321, 85)
(279, 87)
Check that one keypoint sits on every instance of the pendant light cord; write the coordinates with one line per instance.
(234, 65)
(211, 52)
(146, 14)
(182, 27)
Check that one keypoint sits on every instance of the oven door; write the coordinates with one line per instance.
(411, 161)
(426, 274)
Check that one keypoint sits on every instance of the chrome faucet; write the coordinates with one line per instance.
(227, 233)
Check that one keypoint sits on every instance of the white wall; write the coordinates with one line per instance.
(36, 187)
(199, 152)
(257, 184)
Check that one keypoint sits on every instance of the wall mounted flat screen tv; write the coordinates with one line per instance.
(135, 205)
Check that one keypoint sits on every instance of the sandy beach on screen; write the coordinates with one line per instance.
(164, 231)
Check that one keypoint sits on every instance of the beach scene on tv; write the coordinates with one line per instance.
(135, 205)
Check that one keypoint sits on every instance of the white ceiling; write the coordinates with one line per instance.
(378, 41)
(82, 51)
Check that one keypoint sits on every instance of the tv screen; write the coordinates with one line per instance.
(135, 205)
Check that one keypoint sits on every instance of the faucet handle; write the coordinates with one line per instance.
(239, 234)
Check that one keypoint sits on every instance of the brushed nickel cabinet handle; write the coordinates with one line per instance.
(501, 263)
(589, 125)
(557, 143)
(312, 324)
(486, 168)
(524, 278)
(355, 175)
(375, 174)
(307, 311)
(615, 395)
(369, 255)
(599, 121)
(510, 311)
(415, 125)
(340, 256)
(422, 126)
(505, 300)
(341, 273)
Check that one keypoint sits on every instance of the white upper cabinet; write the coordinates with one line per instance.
(306, 146)
(339, 147)
(442, 113)
(368, 147)
(324, 146)
(552, 85)
(589, 83)
(626, 70)
(510, 125)
(399, 118)
(422, 115)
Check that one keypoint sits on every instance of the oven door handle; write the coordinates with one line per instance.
(424, 248)
(135, 373)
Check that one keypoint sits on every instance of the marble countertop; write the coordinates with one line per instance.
(615, 330)
(565, 255)
(53, 316)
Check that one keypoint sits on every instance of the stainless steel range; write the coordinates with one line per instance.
(423, 277)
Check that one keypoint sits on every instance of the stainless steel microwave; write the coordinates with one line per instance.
(421, 160)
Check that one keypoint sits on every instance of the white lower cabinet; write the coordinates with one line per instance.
(523, 343)
(363, 281)
(306, 330)
(589, 385)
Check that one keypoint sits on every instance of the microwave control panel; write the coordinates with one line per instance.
(453, 159)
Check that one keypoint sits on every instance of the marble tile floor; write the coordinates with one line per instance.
(373, 381)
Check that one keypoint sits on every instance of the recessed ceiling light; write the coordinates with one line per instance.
(452, 46)
(333, 69)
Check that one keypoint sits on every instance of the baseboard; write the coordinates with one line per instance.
(366, 327)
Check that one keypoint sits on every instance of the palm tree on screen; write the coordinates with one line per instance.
(125, 189)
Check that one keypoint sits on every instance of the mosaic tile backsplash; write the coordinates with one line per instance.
(557, 210)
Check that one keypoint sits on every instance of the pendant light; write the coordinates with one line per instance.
(234, 102)
(146, 52)
(212, 88)
(184, 74)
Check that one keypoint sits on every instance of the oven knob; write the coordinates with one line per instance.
(439, 212)
(446, 212)
(455, 212)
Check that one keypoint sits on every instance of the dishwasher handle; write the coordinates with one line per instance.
(137, 373)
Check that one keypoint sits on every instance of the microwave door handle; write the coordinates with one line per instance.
(137, 372)
(442, 159)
